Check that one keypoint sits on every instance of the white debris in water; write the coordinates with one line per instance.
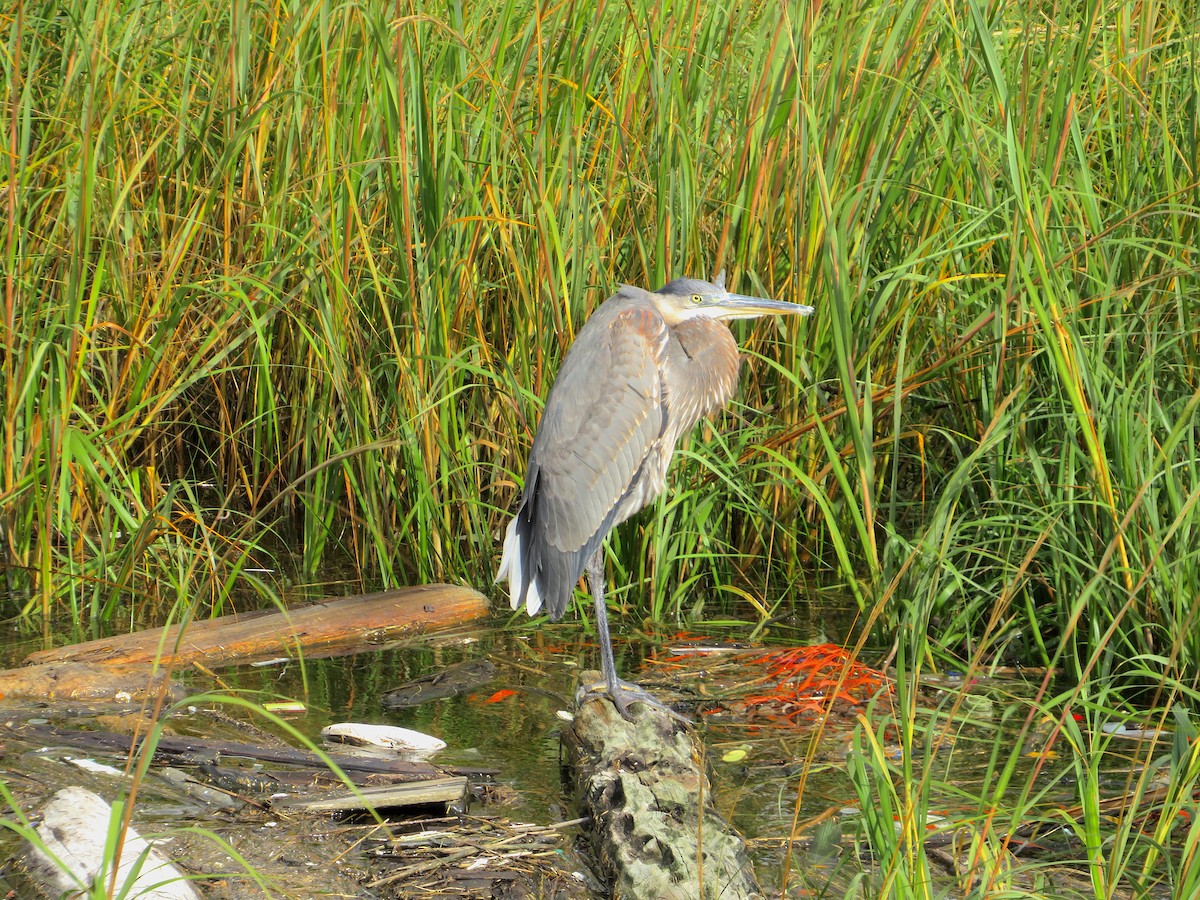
(90, 765)
(384, 737)
(75, 828)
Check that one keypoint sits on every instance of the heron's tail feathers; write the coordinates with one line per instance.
(515, 569)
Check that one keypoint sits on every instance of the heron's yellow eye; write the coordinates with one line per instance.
(695, 298)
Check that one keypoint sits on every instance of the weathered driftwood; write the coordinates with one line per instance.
(321, 627)
(654, 827)
(383, 738)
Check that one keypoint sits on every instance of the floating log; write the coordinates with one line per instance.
(80, 682)
(319, 629)
(196, 749)
(654, 828)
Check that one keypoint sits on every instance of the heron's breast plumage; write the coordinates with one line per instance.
(702, 364)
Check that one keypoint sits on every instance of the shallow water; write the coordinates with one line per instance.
(512, 726)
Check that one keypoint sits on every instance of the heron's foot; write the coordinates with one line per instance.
(623, 694)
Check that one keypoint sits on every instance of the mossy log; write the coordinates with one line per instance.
(654, 828)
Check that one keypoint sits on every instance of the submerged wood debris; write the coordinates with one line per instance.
(410, 818)
(450, 681)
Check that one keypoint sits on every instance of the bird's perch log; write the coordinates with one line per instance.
(654, 827)
(122, 663)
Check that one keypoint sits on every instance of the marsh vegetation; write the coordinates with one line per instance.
(297, 276)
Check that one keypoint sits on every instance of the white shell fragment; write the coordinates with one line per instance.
(383, 737)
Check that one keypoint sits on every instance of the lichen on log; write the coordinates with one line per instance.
(653, 827)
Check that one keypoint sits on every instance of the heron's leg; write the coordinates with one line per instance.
(622, 693)
(608, 666)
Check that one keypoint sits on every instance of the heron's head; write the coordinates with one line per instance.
(691, 298)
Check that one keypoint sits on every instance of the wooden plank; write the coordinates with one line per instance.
(384, 796)
(318, 629)
(654, 827)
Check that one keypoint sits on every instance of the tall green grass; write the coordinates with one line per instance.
(297, 276)
(308, 269)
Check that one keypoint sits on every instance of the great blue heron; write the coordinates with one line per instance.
(644, 369)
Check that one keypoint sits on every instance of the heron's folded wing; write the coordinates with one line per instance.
(601, 420)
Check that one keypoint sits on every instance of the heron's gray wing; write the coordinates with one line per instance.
(602, 419)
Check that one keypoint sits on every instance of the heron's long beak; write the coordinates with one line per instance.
(741, 306)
